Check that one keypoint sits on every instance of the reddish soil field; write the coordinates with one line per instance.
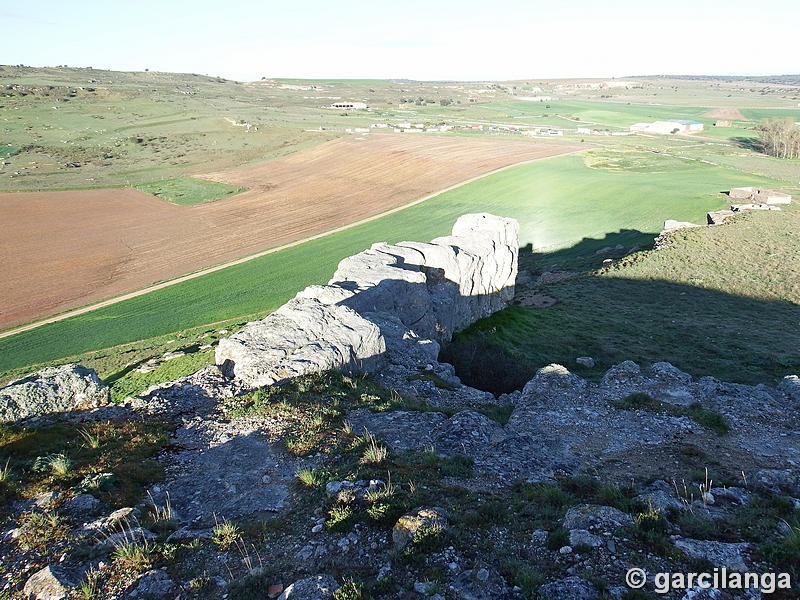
(61, 250)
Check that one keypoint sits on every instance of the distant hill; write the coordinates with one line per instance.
(778, 79)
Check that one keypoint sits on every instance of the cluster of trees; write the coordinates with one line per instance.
(780, 138)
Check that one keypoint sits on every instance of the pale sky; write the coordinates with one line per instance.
(414, 39)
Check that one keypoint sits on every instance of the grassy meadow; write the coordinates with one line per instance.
(187, 191)
(721, 301)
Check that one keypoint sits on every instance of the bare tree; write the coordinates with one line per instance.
(780, 137)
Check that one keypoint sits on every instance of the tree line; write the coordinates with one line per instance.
(780, 137)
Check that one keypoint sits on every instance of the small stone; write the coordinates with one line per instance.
(333, 487)
(424, 587)
(585, 361)
(595, 517)
(317, 528)
(708, 498)
(720, 554)
(318, 587)
(407, 525)
(82, 504)
(384, 571)
(482, 574)
(581, 537)
(565, 550)
(45, 498)
(50, 583)
(539, 537)
(154, 584)
(784, 529)
(185, 534)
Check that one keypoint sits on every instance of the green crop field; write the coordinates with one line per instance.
(187, 191)
(559, 202)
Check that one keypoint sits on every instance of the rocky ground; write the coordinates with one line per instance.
(388, 488)
(274, 475)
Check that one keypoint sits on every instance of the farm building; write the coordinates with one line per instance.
(722, 123)
(687, 126)
(668, 127)
(760, 195)
(349, 105)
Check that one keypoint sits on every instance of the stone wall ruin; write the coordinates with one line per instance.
(392, 303)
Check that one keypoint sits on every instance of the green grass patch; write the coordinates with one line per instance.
(113, 461)
(130, 382)
(635, 162)
(187, 190)
(708, 418)
(640, 401)
(8, 151)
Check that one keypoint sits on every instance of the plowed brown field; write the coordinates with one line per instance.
(60, 250)
(725, 113)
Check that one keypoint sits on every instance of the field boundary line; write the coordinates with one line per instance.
(238, 261)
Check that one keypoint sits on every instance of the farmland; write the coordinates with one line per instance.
(137, 239)
(176, 138)
(559, 202)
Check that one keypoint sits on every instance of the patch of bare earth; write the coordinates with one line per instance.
(727, 112)
(61, 250)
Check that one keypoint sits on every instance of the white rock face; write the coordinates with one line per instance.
(391, 302)
(52, 390)
(302, 336)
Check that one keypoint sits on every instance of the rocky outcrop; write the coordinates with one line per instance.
(52, 390)
(391, 303)
(561, 423)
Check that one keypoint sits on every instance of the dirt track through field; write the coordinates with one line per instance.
(61, 250)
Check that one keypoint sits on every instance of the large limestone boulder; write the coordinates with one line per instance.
(720, 554)
(52, 390)
(390, 304)
(302, 336)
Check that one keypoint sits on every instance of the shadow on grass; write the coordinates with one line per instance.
(588, 253)
(749, 143)
(610, 318)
